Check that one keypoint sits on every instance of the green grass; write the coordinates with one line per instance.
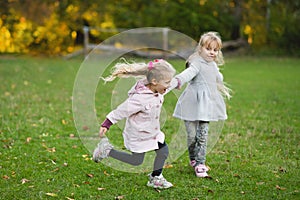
(42, 156)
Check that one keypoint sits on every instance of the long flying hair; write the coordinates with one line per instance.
(156, 69)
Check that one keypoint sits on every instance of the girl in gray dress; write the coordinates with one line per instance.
(203, 99)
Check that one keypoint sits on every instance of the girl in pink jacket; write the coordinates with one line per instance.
(142, 110)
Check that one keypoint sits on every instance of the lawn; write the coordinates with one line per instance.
(43, 157)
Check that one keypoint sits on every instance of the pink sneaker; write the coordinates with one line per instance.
(201, 171)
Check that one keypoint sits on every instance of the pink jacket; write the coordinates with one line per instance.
(142, 111)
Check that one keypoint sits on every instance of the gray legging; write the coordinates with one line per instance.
(197, 132)
(138, 158)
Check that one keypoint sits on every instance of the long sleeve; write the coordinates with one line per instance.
(188, 74)
(124, 110)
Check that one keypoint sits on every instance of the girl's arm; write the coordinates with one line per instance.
(184, 77)
(124, 110)
(188, 74)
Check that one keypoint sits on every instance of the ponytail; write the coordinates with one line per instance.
(153, 70)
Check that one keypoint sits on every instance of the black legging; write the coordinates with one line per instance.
(137, 158)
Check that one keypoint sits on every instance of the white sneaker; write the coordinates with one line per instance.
(158, 182)
(102, 150)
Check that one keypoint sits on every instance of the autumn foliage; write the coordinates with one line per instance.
(55, 26)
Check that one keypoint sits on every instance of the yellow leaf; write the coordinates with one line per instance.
(105, 173)
(51, 194)
(168, 166)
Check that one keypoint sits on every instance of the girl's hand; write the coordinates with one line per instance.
(102, 131)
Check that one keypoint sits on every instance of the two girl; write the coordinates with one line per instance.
(201, 102)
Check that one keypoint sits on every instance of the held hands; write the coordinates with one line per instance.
(102, 132)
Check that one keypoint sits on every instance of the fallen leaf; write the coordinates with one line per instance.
(90, 175)
(28, 139)
(105, 173)
(56, 169)
(24, 180)
(76, 185)
(53, 162)
(210, 191)
(100, 189)
(119, 197)
(236, 175)
(63, 122)
(69, 198)
(51, 150)
(5, 177)
(65, 164)
(72, 135)
(51, 194)
(280, 188)
(167, 166)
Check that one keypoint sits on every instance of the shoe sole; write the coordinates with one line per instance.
(158, 187)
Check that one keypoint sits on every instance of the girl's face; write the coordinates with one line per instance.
(209, 52)
(161, 86)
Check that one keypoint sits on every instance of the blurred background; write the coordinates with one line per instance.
(57, 27)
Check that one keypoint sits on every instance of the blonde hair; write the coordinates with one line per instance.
(208, 40)
(157, 69)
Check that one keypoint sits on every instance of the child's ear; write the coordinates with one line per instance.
(154, 82)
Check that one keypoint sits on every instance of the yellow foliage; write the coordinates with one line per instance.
(17, 38)
(71, 9)
(248, 30)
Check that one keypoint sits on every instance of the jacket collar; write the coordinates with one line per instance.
(140, 88)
